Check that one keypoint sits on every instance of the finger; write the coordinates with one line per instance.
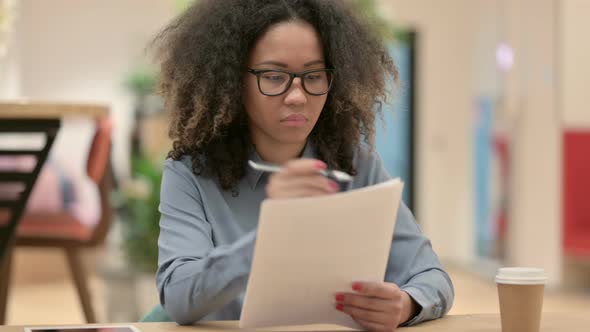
(366, 302)
(310, 181)
(285, 190)
(366, 315)
(371, 326)
(384, 290)
(279, 186)
(296, 193)
(304, 166)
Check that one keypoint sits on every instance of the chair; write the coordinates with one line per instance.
(19, 181)
(63, 231)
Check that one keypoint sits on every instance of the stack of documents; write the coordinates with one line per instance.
(309, 249)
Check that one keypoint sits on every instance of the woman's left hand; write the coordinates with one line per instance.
(377, 306)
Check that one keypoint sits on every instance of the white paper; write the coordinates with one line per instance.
(309, 249)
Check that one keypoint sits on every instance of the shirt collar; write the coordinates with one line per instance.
(253, 176)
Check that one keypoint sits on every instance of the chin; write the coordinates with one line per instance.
(292, 138)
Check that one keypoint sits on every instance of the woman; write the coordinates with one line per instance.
(291, 82)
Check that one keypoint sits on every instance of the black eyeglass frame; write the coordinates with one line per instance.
(292, 75)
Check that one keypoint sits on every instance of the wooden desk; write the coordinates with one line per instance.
(552, 322)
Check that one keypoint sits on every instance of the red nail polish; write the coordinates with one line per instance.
(357, 286)
(334, 185)
(339, 297)
(340, 307)
(320, 165)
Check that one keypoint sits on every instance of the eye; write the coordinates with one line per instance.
(273, 77)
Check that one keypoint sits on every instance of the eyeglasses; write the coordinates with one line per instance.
(274, 82)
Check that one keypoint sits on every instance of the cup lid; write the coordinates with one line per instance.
(521, 276)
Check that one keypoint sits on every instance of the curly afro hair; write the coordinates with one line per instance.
(203, 55)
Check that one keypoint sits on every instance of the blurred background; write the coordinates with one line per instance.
(489, 128)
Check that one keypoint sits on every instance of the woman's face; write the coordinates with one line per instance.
(290, 117)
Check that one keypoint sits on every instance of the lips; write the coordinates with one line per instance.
(295, 118)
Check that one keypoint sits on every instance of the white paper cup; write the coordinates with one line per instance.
(520, 291)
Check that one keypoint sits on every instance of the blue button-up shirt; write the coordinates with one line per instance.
(207, 239)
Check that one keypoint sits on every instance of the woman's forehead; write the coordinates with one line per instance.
(292, 43)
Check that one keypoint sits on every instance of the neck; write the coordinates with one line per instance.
(279, 153)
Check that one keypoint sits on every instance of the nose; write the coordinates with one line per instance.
(296, 95)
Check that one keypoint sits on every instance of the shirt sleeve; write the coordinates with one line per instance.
(194, 278)
(413, 265)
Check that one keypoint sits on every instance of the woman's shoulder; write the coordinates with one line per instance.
(180, 173)
(184, 167)
(369, 167)
(181, 167)
(184, 163)
(365, 156)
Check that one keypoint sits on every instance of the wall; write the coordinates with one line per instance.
(542, 95)
(573, 102)
(531, 95)
(81, 50)
(449, 79)
(574, 64)
(9, 64)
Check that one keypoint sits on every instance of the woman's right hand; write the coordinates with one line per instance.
(301, 178)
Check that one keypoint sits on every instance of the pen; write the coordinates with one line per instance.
(333, 174)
